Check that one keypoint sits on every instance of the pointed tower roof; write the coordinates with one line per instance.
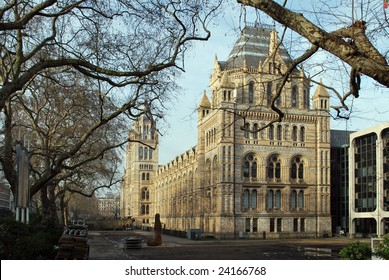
(321, 91)
(204, 103)
(253, 46)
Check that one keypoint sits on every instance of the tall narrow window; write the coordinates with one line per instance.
(271, 132)
(293, 200)
(255, 224)
(246, 169)
(302, 224)
(247, 130)
(295, 224)
(255, 131)
(302, 134)
(269, 93)
(251, 92)
(278, 199)
(140, 153)
(294, 133)
(250, 166)
(301, 200)
(274, 167)
(246, 199)
(272, 224)
(150, 153)
(297, 168)
(279, 224)
(145, 152)
(247, 223)
(254, 199)
(279, 132)
(279, 99)
(294, 97)
(270, 197)
(306, 99)
(254, 169)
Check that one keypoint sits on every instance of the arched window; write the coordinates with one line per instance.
(143, 176)
(269, 93)
(254, 199)
(293, 202)
(251, 92)
(246, 199)
(150, 153)
(270, 197)
(145, 194)
(297, 168)
(294, 97)
(301, 200)
(250, 166)
(274, 167)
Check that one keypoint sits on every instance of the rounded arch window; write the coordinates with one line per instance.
(145, 194)
(274, 167)
(250, 166)
(297, 168)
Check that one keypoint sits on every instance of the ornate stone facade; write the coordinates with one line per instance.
(241, 180)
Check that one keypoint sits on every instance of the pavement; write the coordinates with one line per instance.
(108, 245)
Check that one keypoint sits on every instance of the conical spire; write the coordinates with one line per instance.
(321, 92)
(205, 101)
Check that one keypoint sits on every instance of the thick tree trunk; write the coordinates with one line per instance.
(49, 208)
(351, 52)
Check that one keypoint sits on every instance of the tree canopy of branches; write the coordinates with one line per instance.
(352, 31)
(75, 73)
(118, 42)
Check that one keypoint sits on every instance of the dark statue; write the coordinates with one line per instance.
(157, 241)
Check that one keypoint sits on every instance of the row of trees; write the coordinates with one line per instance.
(74, 74)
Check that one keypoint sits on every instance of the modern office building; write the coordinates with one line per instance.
(369, 181)
(240, 180)
(340, 143)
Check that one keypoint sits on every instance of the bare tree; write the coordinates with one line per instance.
(118, 42)
(355, 32)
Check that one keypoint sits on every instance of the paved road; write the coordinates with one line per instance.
(108, 245)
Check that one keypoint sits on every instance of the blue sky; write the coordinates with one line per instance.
(371, 108)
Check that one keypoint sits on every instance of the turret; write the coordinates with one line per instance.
(204, 107)
(321, 98)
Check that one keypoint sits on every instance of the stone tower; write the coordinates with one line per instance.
(141, 166)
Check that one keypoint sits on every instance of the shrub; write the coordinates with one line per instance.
(382, 249)
(356, 251)
(19, 241)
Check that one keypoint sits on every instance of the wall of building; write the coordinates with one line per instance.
(241, 180)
